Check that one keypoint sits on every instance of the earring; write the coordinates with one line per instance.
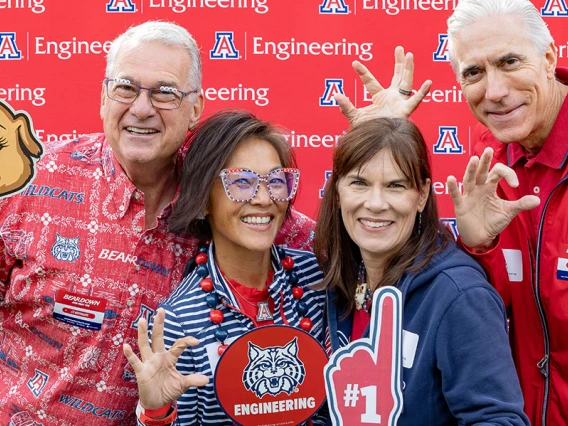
(200, 216)
(419, 223)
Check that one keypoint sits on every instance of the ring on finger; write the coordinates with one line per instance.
(404, 92)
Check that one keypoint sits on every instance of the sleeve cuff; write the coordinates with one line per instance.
(143, 418)
(479, 251)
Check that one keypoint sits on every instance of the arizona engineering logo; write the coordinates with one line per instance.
(8, 47)
(224, 46)
(554, 8)
(441, 53)
(274, 369)
(332, 86)
(120, 6)
(448, 142)
(334, 7)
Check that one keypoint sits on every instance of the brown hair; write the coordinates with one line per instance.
(338, 256)
(210, 145)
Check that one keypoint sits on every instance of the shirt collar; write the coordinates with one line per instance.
(553, 153)
(123, 191)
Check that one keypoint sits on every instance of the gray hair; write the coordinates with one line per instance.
(468, 12)
(167, 33)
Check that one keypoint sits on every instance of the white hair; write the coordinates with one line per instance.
(468, 12)
(167, 33)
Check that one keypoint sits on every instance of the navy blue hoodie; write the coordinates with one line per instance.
(460, 372)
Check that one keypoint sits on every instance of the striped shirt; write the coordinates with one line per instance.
(187, 314)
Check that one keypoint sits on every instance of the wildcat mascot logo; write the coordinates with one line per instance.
(274, 370)
(66, 249)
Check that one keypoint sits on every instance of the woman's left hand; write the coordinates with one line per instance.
(159, 382)
(387, 102)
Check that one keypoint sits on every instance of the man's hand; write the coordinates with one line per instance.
(387, 102)
(481, 215)
(159, 383)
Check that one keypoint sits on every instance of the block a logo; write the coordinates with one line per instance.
(120, 6)
(145, 312)
(332, 86)
(452, 223)
(8, 47)
(554, 8)
(448, 142)
(38, 382)
(327, 176)
(441, 53)
(224, 46)
(335, 7)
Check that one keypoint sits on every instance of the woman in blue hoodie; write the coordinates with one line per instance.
(379, 226)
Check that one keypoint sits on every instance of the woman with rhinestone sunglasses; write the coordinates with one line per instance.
(238, 180)
(379, 226)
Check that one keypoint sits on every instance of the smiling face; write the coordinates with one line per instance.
(379, 207)
(507, 84)
(143, 137)
(244, 228)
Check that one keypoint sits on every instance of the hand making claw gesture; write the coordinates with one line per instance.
(481, 215)
(159, 383)
(394, 101)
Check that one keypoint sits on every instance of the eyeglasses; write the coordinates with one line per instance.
(163, 97)
(241, 185)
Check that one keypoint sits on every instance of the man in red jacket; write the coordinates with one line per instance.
(517, 227)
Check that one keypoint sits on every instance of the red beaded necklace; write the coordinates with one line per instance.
(212, 299)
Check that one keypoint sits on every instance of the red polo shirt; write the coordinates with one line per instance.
(539, 173)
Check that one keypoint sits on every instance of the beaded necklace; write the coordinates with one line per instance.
(212, 299)
(363, 295)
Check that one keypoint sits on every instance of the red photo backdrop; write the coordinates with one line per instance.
(282, 59)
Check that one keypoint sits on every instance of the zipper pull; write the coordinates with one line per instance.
(542, 366)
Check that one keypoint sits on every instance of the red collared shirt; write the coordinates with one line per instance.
(250, 297)
(539, 173)
(80, 228)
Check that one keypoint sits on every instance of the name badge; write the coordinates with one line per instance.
(562, 268)
(79, 310)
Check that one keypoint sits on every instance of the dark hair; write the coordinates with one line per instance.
(338, 256)
(210, 145)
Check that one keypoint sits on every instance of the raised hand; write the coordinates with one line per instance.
(159, 382)
(387, 102)
(481, 215)
(363, 378)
